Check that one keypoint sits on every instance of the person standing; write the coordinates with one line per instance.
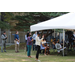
(38, 43)
(26, 40)
(29, 44)
(16, 41)
(34, 37)
(3, 37)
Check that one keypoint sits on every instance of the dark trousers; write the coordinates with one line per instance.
(26, 45)
(38, 51)
(53, 46)
(3, 45)
(33, 45)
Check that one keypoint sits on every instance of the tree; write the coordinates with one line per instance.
(4, 25)
(5, 19)
(30, 18)
(6, 16)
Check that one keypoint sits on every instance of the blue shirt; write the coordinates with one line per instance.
(16, 36)
(34, 36)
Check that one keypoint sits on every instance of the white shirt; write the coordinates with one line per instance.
(43, 42)
(38, 41)
(57, 45)
(74, 35)
(25, 37)
(34, 36)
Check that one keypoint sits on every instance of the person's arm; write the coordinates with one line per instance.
(32, 40)
(60, 47)
(56, 46)
(39, 39)
(33, 36)
(3, 38)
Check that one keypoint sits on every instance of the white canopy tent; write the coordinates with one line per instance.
(66, 21)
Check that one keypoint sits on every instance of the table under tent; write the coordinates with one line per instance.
(66, 21)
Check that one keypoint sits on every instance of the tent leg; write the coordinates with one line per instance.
(54, 33)
(63, 42)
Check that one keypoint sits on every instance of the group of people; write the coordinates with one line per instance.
(36, 41)
(16, 41)
(69, 43)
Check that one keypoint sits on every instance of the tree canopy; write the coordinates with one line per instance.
(27, 19)
(5, 19)
(30, 18)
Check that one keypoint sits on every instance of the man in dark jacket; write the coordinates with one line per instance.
(16, 41)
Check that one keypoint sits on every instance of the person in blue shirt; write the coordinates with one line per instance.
(34, 38)
(16, 41)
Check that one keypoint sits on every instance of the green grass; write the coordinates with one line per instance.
(11, 56)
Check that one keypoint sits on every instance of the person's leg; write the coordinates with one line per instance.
(38, 50)
(48, 50)
(33, 45)
(4, 47)
(26, 45)
(28, 50)
(45, 50)
(15, 45)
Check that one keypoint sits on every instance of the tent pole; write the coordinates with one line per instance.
(63, 42)
(54, 33)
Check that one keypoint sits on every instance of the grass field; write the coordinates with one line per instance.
(11, 56)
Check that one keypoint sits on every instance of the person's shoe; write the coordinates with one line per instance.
(45, 54)
(37, 60)
(15, 51)
(30, 56)
(4, 51)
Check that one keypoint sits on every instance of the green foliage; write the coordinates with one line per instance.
(8, 16)
(31, 18)
(4, 25)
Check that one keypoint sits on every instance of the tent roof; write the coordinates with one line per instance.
(66, 21)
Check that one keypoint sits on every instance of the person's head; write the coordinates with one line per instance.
(54, 38)
(44, 39)
(57, 41)
(4, 32)
(28, 34)
(17, 32)
(38, 33)
(35, 32)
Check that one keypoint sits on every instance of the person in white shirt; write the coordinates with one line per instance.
(44, 46)
(38, 43)
(34, 38)
(59, 47)
(26, 39)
